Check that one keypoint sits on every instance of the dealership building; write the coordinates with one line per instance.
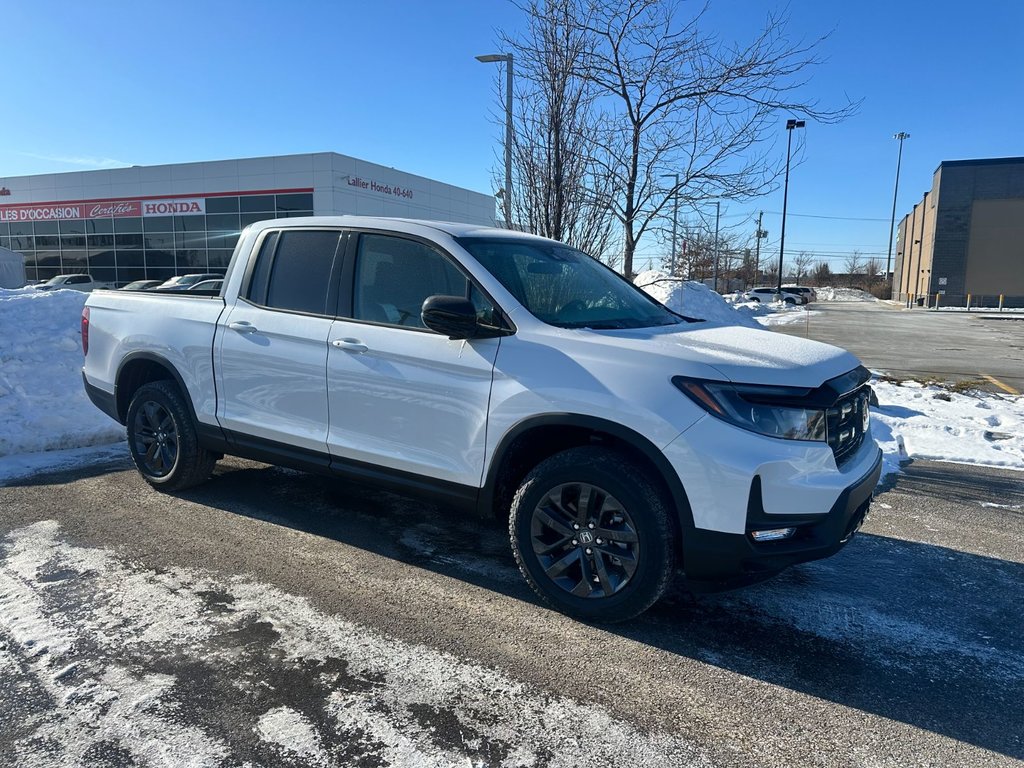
(158, 221)
(965, 238)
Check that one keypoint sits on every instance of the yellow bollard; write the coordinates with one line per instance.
(1000, 302)
(937, 300)
(968, 302)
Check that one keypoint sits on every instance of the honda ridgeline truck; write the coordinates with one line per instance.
(504, 373)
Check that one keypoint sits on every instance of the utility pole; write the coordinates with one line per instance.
(892, 223)
(760, 235)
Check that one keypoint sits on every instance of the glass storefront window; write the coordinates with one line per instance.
(222, 205)
(295, 202)
(195, 223)
(72, 241)
(128, 224)
(158, 223)
(159, 242)
(158, 258)
(256, 204)
(72, 227)
(46, 228)
(128, 241)
(130, 259)
(101, 226)
(227, 222)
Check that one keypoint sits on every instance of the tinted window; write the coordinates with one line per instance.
(394, 277)
(301, 202)
(257, 204)
(77, 280)
(261, 274)
(222, 204)
(128, 224)
(300, 275)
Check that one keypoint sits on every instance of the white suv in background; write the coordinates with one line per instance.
(772, 294)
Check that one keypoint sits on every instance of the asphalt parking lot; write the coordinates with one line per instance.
(275, 618)
(946, 346)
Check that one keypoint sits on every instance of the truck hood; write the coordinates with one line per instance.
(737, 354)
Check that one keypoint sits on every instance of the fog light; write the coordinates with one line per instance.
(773, 534)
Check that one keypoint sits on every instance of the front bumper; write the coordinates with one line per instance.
(715, 558)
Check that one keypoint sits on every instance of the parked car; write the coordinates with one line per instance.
(772, 294)
(141, 285)
(184, 282)
(804, 290)
(208, 285)
(506, 374)
(79, 282)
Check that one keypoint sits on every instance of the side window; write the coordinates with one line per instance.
(75, 279)
(394, 276)
(297, 274)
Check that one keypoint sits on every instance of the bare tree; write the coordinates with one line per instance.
(678, 100)
(854, 265)
(640, 92)
(559, 189)
(871, 269)
(801, 265)
(822, 275)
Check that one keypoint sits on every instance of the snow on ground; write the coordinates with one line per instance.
(110, 658)
(692, 299)
(843, 294)
(43, 406)
(980, 428)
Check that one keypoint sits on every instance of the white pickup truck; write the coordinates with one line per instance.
(509, 374)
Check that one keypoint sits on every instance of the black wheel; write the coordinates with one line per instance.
(163, 441)
(591, 534)
(754, 298)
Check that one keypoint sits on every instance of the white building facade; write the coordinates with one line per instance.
(158, 221)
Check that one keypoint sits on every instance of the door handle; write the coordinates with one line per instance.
(349, 345)
(243, 327)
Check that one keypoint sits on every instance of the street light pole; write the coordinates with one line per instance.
(718, 215)
(675, 218)
(507, 58)
(892, 223)
(790, 125)
(757, 260)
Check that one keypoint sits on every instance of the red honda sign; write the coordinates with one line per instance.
(102, 210)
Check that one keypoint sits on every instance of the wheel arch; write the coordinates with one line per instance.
(536, 438)
(139, 368)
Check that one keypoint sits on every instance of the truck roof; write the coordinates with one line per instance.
(410, 226)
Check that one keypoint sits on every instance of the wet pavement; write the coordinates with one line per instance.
(275, 618)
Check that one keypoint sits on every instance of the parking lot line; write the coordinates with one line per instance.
(998, 383)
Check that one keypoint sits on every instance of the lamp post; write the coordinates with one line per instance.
(790, 125)
(507, 58)
(892, 222)
(675, 217)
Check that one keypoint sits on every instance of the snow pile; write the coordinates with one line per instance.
(843, 294)
(692, 299)
(980, 428)
(43, 405)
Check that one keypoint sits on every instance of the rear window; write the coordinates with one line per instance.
(293, 271)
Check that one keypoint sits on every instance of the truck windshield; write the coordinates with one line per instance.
(566, 288)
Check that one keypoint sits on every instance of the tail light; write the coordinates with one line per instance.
(85, 330)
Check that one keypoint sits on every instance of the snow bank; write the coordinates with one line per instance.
(692, 299)
(843, 294)
(980, 428)
(43, 406)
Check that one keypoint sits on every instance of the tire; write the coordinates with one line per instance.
(620, 574)
(163, 440)
(754, 298)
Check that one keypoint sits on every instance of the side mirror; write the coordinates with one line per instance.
(453, 316)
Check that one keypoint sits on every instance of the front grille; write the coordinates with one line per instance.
(845, 422)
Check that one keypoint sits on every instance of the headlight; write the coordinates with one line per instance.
(768, 411)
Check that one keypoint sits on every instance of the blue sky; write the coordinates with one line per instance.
(111, 83)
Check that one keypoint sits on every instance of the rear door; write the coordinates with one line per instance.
(402, 396)
(272, 351)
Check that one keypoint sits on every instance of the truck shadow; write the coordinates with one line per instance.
(917, 633)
